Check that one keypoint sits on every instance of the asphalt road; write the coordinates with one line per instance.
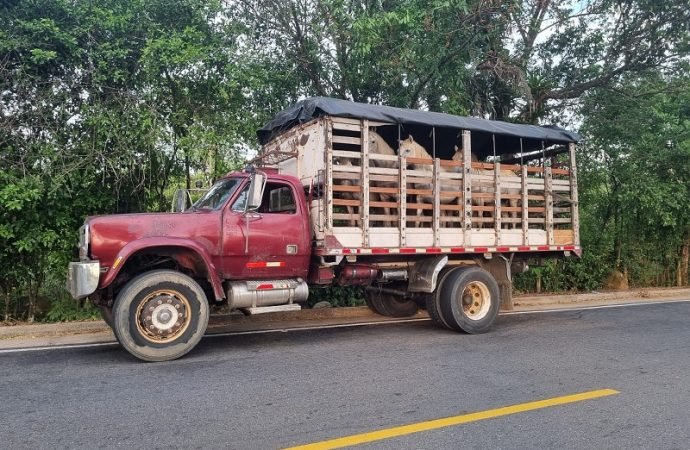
(281, 389)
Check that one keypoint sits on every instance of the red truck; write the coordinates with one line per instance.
(426, 210)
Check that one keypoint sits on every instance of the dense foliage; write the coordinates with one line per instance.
(108, 106)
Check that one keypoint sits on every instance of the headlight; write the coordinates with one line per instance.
(84, 242)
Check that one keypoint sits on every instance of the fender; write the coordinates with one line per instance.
(131, 248)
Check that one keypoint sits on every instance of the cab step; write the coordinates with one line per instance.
(272, 309)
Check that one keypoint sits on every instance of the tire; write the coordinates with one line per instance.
(433, 306)
(469, 299)
(107, 315)
(160, 315)
(390, 305)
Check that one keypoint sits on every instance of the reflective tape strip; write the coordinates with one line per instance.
(264, 264)
(437, 250)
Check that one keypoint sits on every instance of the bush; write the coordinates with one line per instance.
(338, 296)
(67, 309)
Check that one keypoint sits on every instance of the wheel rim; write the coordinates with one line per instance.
(163, 316)
(476, 300)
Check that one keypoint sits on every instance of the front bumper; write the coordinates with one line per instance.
(82, 278)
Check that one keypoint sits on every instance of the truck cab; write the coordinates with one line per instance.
(249, 226)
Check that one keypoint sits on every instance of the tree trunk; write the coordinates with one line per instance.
(538, 287)
(684, 260)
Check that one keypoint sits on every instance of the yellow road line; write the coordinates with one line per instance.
(403, 430)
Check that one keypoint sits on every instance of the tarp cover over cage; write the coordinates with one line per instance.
(431, 129)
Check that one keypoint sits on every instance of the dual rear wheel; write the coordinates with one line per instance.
(467, 299)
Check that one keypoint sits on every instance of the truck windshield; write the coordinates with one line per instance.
(215, 198)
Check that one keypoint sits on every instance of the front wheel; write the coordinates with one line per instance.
(160, 315)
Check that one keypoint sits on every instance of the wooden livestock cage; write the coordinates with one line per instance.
(367, 197)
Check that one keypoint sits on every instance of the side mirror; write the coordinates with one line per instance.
(180, 200)
(256, 191)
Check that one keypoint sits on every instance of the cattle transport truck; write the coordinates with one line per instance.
(333, 200)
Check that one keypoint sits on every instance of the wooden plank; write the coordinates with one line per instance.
(450, 163)
(346, 176)
(347, 154)
(383, 157)
(344, 120)
(548, 193)
(525, 205)
(414, 160)
(384, 190)
(384, 178)
(347, 169)
(329, 175)
(343, 202)
(565, 172)
(575, 215)
(467, 183)
(402, 210)
(364, 126)
(564, 237)
(437, 202)
(378, 204)
(345, 188)
(383, 171)
(349, 140)
(497, 203)
(533, 169)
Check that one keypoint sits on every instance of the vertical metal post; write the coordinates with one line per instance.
(467, 184)
(365, 182)
(575, 215)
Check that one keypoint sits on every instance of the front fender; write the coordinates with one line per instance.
(135, 246)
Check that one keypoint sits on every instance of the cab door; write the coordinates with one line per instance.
(272, 242)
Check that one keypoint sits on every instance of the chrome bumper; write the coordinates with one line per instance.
(82, 278)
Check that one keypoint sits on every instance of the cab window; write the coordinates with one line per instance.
(278, 199)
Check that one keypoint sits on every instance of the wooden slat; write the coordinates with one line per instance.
(346, 140)
(560, 172)
(573, 195)
(345, 188)
(364, 124)
(385, 190)
(343, 202)
(402, 210)
(525, 205)
(347, 154)
(437, 202)
(548, 193)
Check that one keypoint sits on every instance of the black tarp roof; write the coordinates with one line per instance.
(418, 123)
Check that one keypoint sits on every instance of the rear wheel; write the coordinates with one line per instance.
(390, 305)
(160, 315)
(433, 305)
(469, 299)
